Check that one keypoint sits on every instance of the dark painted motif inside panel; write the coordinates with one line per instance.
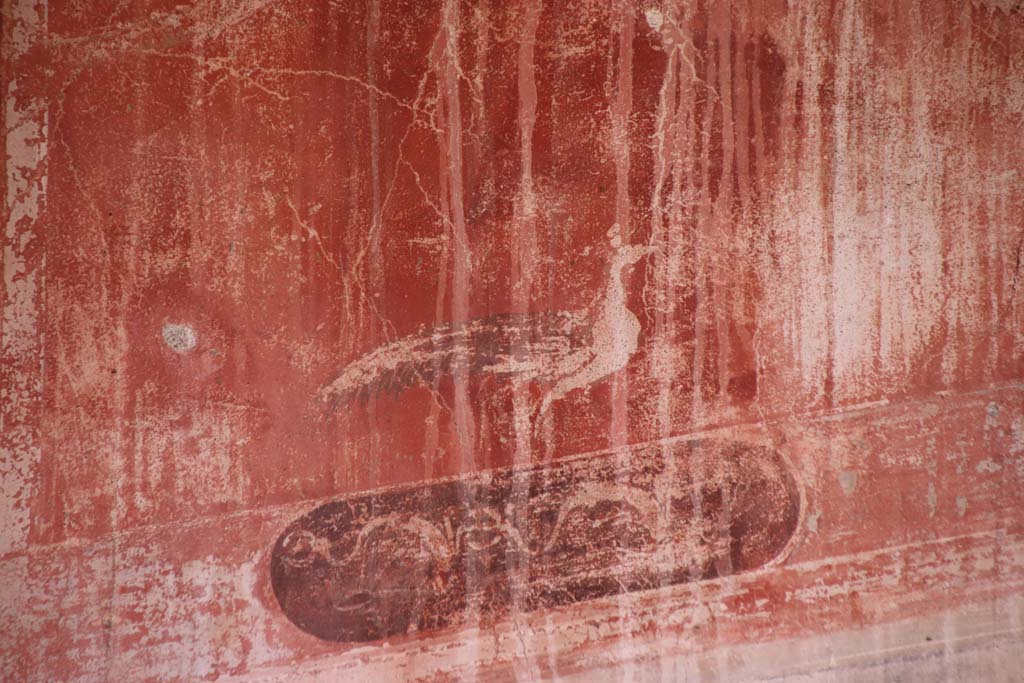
(428, 556)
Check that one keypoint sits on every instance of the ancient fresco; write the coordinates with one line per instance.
(302, 297)
(425, 557)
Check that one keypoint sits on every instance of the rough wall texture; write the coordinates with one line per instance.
(264, 255)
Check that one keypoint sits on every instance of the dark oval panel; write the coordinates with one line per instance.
(431, 555)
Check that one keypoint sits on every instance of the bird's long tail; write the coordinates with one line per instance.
(508, 344)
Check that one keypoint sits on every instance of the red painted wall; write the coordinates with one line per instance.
(215, 211)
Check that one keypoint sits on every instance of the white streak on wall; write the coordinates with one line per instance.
(20, 338)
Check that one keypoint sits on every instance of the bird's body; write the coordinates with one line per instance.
(567, 350)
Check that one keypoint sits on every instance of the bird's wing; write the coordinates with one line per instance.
(527, 345)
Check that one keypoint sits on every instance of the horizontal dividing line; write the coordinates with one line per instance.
(450, 652)
(582, 628)
(872, 658)
(679, 596)
(300, 507)
(983, 622)
(641, 606)
(995, 533)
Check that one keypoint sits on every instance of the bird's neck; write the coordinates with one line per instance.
(614, 295)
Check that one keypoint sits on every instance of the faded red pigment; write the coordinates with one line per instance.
(293, 284)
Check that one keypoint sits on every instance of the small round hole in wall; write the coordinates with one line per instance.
(179, 338)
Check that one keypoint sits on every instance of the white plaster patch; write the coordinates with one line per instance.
(214, 639)
(848, 480)
(961, 505)
(654, 18)
(992, 415)
(26, 145)
(812, 521)
(180, 338)
(988, 465)
(1017, 432)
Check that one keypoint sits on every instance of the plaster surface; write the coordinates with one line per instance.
(262, 256)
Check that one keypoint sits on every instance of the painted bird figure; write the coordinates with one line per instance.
(566, 350)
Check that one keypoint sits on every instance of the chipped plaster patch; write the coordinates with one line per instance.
(961, 505)
(992, 415)
(848, 481)
(21, 304)
(180, 338)
(812, 521)
(1017, 432)
(988, 465)
(654, 18)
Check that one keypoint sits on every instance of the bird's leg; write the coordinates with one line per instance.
(541, 413)
(536, 415)
(578, 380)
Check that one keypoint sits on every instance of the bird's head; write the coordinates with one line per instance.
(626, 255)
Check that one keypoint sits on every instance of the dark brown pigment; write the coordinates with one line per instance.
(428, 556)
